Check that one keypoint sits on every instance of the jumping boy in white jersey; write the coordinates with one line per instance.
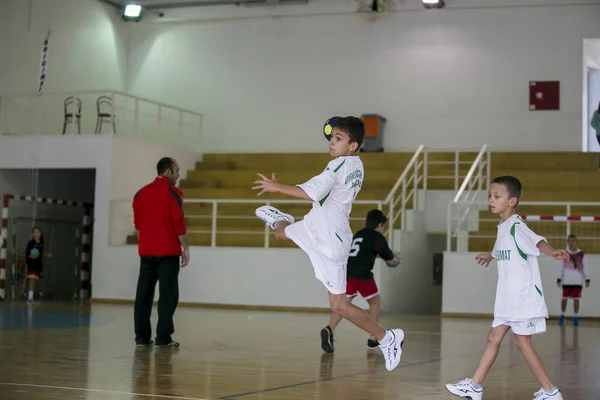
(324, 234)
(520, 304)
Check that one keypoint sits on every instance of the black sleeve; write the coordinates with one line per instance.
(382, 248)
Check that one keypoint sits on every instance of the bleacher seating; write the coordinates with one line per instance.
(547, 177)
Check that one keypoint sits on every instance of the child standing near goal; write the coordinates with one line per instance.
(324, 234)
(571, 275)
(520, 303)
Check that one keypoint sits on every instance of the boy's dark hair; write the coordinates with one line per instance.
(571, 236)
(374, 218)
(512, 184)
(354, 127)
(163, 165)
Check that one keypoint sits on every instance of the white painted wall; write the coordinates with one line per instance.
(87, 51)
(5, 13)
(128, 177)
(409, 287)
(591, 92)
(87, 47)
(440, 78)
(471, 289)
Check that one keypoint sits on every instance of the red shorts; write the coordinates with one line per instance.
(367, 289)
(33, 274)
(572, 292)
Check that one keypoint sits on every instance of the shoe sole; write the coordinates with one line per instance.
(287, 217)
(326, 345)
(448, 390)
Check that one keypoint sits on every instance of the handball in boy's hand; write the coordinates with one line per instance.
(34, 252)
(395, 261)
(328, 127)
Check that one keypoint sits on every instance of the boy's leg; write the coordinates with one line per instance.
(374, 310)
(390, 342)
(356, 315)
(563, 309)
(490, 353)
(534, 361)
(327, 332)
(471, 388)
(335, 319)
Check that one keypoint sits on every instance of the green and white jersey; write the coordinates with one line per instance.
(333, 192)
(519, 294)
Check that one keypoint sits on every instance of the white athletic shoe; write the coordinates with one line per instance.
(272, 216)
(465, 390)
(542, 395)
(393, 351)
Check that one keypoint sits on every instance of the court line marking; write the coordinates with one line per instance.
(161, 396)
(334, 378)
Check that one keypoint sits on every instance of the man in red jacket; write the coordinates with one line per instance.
(162, 240)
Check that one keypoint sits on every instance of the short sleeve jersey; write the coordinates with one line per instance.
(367, 244)
(519, 294)
(333, 192)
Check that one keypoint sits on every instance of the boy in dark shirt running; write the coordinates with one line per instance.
(367, 244)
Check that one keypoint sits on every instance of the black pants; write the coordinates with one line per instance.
(165, 270)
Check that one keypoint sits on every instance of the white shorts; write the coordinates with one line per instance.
(533, 326)
(331, 273)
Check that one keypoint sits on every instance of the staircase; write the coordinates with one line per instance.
(548, 177)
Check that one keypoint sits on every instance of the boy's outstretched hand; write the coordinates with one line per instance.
(560, 255)
(266, 185)
(484, 259)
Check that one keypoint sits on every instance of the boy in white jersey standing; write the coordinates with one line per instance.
(520, 303)
(324, 234)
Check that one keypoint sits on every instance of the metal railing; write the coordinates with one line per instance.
(472, 189)
(552, 219)
(102, 111)
(120, 232)
(408, 194)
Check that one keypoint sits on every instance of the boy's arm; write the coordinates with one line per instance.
(548, 250)
(315, 189)
(586, 271)
(293, 191)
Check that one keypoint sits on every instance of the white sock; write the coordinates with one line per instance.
(31, 295)
(387, 339)
(551, 391)
(475, 385)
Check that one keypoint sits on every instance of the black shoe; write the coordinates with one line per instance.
(372, 344)
(327, 340)
(141, 345)
(171, 345)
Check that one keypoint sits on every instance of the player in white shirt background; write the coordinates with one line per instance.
(520, 303)
(571, 276)
(324, 234)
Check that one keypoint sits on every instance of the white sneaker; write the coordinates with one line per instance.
(542, 395)
(272, 216)
(465, 390)
(393, 351)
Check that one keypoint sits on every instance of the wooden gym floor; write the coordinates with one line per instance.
(64, 351)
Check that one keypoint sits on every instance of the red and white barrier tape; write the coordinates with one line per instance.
(560, 218)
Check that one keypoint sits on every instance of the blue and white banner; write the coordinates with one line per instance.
(44, 63)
